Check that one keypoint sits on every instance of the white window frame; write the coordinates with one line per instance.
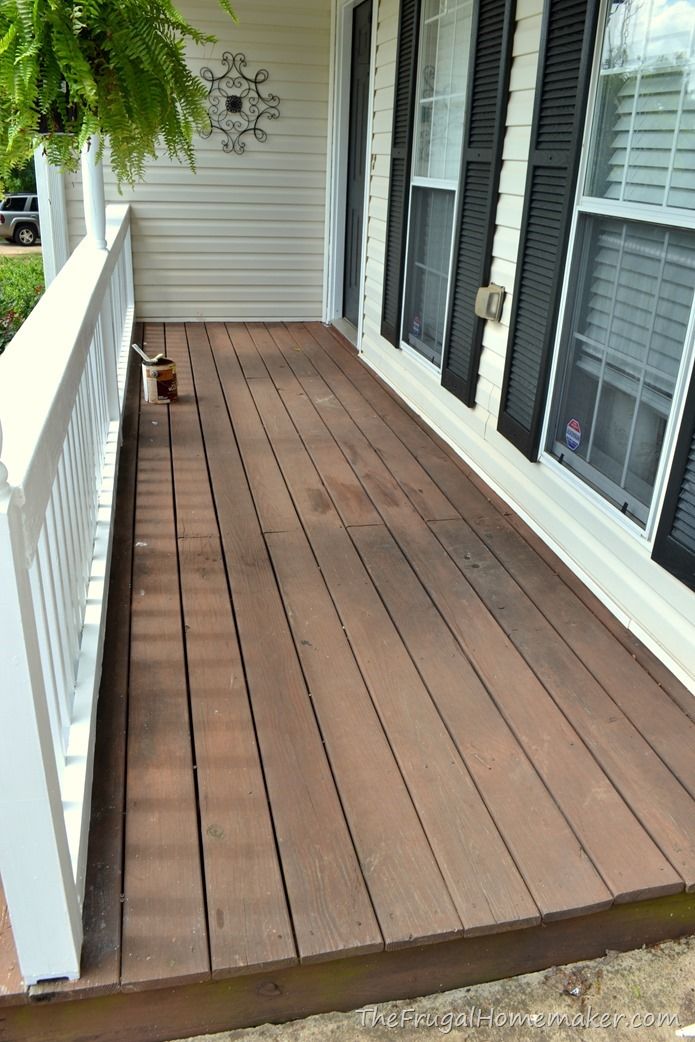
(428, 182)
(647, 214)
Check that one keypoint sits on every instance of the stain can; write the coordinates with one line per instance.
(159, 381)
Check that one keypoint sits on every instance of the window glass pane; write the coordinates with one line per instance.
(427, 270)
(445, 40)
(624, 344)
(441, 88)
(645, 129)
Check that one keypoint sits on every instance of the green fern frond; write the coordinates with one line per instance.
(114, 68)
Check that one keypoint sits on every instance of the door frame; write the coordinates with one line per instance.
(337, 166)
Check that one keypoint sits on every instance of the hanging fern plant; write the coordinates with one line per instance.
(113, 68)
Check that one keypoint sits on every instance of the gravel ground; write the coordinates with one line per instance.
(617, 997)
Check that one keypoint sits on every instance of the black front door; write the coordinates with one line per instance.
(357, 157)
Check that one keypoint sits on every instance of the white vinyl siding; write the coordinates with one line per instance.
(244, 237)
(648, 600)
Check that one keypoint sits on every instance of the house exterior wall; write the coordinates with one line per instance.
(612, 558)
(244, 237)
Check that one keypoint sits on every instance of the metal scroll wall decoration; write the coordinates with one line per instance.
(237, 103)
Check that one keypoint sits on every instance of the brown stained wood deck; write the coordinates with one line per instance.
(361, 735)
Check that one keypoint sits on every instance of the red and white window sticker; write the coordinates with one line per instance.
(573, 435)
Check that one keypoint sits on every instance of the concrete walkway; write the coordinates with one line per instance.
(617, 998)
(10, 249)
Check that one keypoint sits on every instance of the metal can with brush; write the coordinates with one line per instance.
(158, 377)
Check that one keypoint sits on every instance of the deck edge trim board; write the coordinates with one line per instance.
(349, 984)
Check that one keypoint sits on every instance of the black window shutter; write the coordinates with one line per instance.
(399, 183)
(674, 546)
(481, 163)
(567, 43)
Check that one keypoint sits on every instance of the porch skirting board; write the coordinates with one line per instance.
(342, 984)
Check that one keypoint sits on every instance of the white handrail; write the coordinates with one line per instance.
(62, 382)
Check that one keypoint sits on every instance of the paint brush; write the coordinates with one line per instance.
(146, 358)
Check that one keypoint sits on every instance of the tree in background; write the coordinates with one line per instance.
(22, 180)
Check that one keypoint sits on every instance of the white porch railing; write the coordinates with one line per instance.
(62, 383)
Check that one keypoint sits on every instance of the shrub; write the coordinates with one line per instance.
(21, 285)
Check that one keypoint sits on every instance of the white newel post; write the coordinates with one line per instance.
(93, 191)
(35, 863)
(50, 184)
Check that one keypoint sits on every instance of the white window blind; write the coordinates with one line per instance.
(638, 302)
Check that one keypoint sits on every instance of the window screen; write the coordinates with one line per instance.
(625, 346)
(445, 40)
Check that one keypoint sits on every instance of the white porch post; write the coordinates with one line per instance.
(50, 184)
(93, 191)
(35, 860)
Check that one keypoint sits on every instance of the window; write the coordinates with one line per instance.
(451, 91)
(627, 333)
(445, 37)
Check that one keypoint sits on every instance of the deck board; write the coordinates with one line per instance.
(164, 920)
(495, 896)
(328, 898)
(343, 486)
(608, 645)
(248, 918)
(560, 877)
(410, 896)
(10, 977)
(355, 715)
(656, 796)
(648, 706)
(607, 827)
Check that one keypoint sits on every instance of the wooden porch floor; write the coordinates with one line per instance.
(360, 734)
